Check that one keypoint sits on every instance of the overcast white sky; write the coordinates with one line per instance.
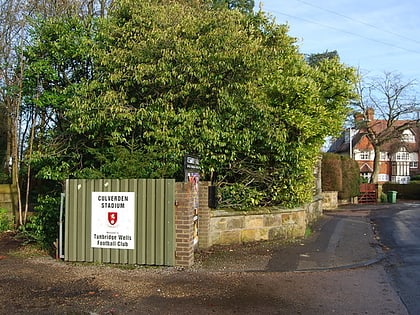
(372, 35)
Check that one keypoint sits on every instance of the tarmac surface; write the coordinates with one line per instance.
(340, 239)
(339, 269)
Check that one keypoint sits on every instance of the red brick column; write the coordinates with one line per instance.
(204, 216)
(184, 227)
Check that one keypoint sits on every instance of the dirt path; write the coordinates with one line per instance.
(38, 284)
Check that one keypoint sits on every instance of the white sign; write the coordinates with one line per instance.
(113, 220)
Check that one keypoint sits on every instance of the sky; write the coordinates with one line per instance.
(375, 36)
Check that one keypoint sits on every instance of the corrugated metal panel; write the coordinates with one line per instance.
(154, 216)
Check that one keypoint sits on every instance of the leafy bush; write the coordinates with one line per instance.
(4, 178)
(415, 178)
(6, 220)
(239, 196)
(42, 227)
(364, 180)
(331, 172)
(384, 198)
(340, 173)
(350, 179)
(410, 191)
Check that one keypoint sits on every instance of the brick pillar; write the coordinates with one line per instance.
(204, 216)
(184, 227)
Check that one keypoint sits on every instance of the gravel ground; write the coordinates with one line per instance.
(34, 283)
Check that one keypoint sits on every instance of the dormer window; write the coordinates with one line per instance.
(408, 136)
(402, 155)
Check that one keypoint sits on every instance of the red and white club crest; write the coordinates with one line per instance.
(112, 217)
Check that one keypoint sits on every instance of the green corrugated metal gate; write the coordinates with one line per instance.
(128, 221)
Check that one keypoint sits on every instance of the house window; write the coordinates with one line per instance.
(414, 164)
(383, 177)
(414, 160)
(384, 156)
(366, 175)
(408, 136)
(364, 155)
(403, 156)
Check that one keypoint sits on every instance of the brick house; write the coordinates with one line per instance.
(399, 159)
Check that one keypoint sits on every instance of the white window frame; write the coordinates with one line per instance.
(366, 175)
(364, 155)
(414, 164)
(408, 136)
(384, 156)
(414, 160)
(383, 177)
(402, 155)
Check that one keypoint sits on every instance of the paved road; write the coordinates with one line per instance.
(398, 228)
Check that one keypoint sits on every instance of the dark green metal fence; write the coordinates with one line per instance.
(128, 221)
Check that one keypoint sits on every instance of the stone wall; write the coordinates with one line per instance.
(330, 200)
(234, 227)
(314, 209)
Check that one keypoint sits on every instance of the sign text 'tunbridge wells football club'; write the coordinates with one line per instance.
(113, 220)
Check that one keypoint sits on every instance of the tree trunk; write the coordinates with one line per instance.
(376, 165)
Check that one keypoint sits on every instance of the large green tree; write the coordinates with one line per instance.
(138, 90)
(245, 6)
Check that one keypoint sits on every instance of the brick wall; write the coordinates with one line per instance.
(204, 215)
(184, 228)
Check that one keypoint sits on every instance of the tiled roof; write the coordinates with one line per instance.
(340, 146)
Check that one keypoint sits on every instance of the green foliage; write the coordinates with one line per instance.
(42, 227)
(239, 196)
(340, 173)
(245, 6)
(6, 220)
(316, 59)
(383, 198)
(308, 232)
(4, 178)
(133, 93)
(415, 178)
(410, 191)
(351, 178)
(331, 172)
(364, 180)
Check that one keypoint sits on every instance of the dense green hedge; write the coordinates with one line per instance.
(340, 173)
(331, 173)
(405, 191)
(350, 178)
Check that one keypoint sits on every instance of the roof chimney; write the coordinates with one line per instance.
(358, 117)
(370, 114)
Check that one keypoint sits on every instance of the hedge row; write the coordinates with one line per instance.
(409, 191)
(340, 173)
